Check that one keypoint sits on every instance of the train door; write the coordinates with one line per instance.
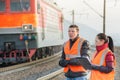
(41, 18)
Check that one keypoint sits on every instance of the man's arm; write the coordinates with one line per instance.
(63, 62)
(85, 48)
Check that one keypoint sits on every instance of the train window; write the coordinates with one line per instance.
(2, 5)
(38, 7)
(20, 5)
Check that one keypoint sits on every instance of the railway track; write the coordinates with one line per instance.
(33, 70)
(52, 75)
(30, 64)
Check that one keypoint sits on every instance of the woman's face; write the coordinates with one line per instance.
(99, 42)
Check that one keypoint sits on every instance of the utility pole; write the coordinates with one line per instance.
(73, 16)
(104, 16)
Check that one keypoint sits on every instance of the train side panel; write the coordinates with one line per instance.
(50, 30)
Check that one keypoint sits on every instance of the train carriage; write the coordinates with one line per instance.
(33, 27)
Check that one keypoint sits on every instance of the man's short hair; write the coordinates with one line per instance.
(74, 26)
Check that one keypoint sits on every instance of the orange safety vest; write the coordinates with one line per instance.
(73, 53)
(100, 61)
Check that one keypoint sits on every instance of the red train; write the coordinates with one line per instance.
(29, 30)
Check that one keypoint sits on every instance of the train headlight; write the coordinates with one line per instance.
(27, 27)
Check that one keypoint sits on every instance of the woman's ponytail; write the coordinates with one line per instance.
(107, 39)
(110, 43)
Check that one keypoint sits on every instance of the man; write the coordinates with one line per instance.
(74, 48)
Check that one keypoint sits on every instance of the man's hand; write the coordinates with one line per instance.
(63, 62)
(74, 61)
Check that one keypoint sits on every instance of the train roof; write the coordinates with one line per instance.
(52, 3)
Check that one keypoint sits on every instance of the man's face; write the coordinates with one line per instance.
(72, 32)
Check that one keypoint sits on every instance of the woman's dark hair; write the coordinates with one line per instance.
(107, 39)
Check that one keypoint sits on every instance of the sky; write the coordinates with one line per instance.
(85, 15)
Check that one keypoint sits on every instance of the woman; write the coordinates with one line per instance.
(103, 62)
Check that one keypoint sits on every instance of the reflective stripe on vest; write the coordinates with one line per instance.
(100, 61)
(73, 53)
(103, 57)
(79, 48)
